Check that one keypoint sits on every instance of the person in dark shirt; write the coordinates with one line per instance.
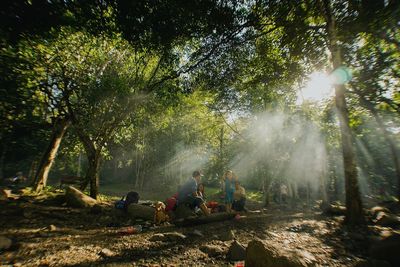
(188, 193)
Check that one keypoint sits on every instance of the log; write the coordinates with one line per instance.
(137, 211)
(214, 217)
(77, 199)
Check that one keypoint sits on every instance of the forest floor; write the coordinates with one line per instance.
(45, 232)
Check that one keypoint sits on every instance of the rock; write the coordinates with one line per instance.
(105, 252)
(51, 227)
(27, 214)
(157, 237)
(372, 263)
(138, 211)
(77, 199)
(5, 243)
(260, 254)
(386, 219)
(212, 250)
(196, 233)
(387, 249)
(236, 252)
(5, 194)
(170, 237)
(374, 211)
(227, 236)
(334, 209)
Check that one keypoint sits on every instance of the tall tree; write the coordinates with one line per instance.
(354, 211)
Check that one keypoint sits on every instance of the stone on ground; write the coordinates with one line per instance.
(5, 243)
(212, 250)
(169, 237)
(372, 263)
(262, 254)
(333, 209)
(386, 219)
(5, 194)
(387, 248)
(236, 252)
(51, 227)
(374, 211)
(105, 252)
(226, 236)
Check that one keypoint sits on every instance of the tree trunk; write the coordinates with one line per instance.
(354, 213)
(92, 174)
(93, 153)
(78, 171)
(2, 159)
(32, 169)
(389, 140)
(60, 127)
(266, 191)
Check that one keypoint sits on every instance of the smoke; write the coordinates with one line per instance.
(185, 160)
(284, 148)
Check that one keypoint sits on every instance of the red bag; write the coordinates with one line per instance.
(171, 202)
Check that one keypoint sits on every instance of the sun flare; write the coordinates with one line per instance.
(318, 87)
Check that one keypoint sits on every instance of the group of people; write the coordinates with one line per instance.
(234, 194)
(191, 193)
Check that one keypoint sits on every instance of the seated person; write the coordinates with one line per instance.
(188, 194)
(239, 197)
(171, 203)
(200, 191)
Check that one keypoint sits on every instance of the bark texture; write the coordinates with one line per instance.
(60, 127)
(354, 212)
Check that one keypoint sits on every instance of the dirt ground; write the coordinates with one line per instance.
(45, 232)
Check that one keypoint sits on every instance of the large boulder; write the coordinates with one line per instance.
(138, 211)
(372, 263)
(77, 199)
(236, 252)
(387, 248)
(5, 194)
(334, 209)
(262, 254)
(375, 210)
(5, 243)
(386, 219)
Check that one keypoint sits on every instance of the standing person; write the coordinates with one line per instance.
(229, 189)
(188, 193)
(239, 197)
(284, 192)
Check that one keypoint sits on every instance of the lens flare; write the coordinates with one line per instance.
(341, 75)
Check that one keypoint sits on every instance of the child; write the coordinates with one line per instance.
(229, 189)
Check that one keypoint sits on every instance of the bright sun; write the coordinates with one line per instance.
(318, 87)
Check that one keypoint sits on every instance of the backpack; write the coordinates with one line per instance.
(120, 204)
(131, 197)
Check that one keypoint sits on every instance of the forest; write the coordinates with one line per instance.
(113, 96)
